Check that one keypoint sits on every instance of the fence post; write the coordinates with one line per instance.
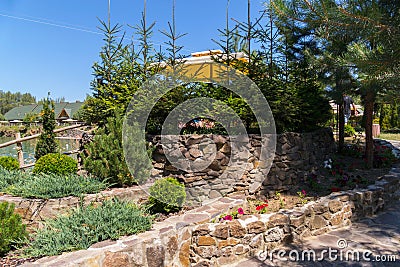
(19, 150)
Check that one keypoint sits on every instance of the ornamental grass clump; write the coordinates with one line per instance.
(86, 226)
(12, 230)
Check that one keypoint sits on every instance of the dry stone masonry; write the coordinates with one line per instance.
(194, 240)
(34, 211)
(296, 156)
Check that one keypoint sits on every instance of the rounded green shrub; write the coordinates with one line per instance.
(349, 130)
(55, 163)
(9, 163)
(12, 231)
(167, 195)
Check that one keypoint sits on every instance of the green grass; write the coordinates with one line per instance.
(46, 186)
(86, 226)
(389, 136)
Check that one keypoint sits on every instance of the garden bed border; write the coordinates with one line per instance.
(192, 240)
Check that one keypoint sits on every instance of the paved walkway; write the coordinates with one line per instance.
(376, 238)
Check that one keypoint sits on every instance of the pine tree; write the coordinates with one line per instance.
(47, 142)
(105, 159)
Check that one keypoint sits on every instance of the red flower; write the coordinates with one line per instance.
(262, 206)
(335, 189)
(304, 192)
(240, 211)
(227, 218)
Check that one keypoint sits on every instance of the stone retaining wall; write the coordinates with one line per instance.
(296, 156)
(192, 240)
(34, 211)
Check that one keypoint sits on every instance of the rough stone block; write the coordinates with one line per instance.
(257, 241)
(337, 219)
(229, 242)
(318, 222)
(206, 241)
(155, 256)
(296, 221)
(184, 254)
(236, 229)
(241, 249)
(278, 219)
(335, 206)
(207, 252)
(273, 235)
(221, 231)
(256, 227)
(115, 259)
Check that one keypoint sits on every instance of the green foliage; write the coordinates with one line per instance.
(56, 163)
(12, 231)
(9, 163)
(47, 142)
(10, 100)
(8, 178)
(167, 195)
(116, 78)
(383, 156)
(295, 96)
(88, 225)
(389, 116)
(105, 158)
(137, 156)
(2, 118)
(31, 117)
(52, 186)
(349, 131)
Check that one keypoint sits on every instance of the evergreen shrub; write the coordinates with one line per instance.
(166, 195)
(349, 131)
(12, 230)
(105, 158)
(47, 142)
(9, 163)
(8, 178)
(46, 186)
(88, 225)
(55, 163)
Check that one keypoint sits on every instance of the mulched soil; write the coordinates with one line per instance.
(12, 260)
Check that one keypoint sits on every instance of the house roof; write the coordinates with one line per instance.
(19, 113)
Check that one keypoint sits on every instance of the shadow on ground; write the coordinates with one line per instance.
(366, 243)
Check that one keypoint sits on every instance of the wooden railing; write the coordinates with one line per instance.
(18, 141)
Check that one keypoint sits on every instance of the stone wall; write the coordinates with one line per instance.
(193, 240)
(291, 163)
(296, 156)
(34, 211)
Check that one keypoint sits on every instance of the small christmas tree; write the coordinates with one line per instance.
(105, 159)
(47, 141)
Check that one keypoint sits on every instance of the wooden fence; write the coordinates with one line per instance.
(18, 141)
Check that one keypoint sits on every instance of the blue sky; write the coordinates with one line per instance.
(51, 45)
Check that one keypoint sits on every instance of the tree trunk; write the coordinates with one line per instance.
(341, 127)
(369, 141)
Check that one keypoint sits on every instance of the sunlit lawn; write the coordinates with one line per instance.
(389, 136)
